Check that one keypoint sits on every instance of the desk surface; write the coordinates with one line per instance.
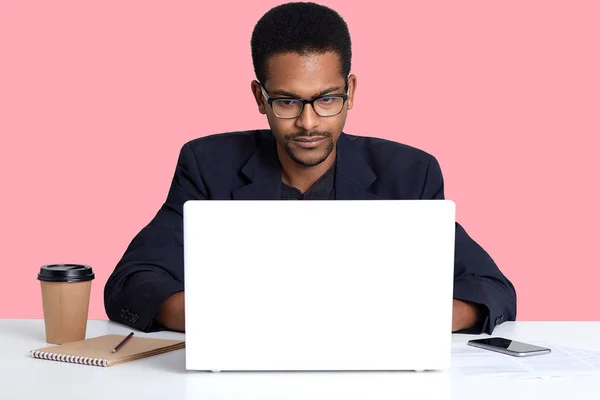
(164, 376)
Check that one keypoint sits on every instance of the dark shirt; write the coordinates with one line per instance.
(322, 189)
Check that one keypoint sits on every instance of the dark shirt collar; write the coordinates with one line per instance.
(322, 189)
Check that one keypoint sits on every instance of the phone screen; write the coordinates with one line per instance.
(511, 345)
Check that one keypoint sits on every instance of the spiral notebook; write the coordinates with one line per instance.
(97, 351)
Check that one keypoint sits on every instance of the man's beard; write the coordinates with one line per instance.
(309, 162)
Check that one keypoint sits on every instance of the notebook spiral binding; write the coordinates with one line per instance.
(71, 359)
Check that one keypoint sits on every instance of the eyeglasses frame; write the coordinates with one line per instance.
(304, 102)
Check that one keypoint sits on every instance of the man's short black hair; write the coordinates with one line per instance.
(302, 28)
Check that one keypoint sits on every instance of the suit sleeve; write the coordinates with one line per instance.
(151, 269)
(477, 278)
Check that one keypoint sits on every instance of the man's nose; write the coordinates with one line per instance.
(308, 120)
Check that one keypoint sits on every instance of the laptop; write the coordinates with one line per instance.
(318, 285)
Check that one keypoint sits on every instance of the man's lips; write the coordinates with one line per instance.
(309, 142)
(310, 139)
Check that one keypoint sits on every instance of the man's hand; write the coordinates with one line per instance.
(171, 315)
(464, 315)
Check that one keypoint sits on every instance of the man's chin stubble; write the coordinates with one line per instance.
(310, 162)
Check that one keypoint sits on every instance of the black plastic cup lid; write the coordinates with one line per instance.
(66, 273)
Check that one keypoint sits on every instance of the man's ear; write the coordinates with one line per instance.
(258, 96)
(351, 90)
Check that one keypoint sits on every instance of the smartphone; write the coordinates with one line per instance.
(508, 346)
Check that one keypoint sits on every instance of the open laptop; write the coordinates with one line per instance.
(318, 285)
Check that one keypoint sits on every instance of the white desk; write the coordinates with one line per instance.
(164, 376)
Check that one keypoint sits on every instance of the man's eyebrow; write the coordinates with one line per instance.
(290, 94)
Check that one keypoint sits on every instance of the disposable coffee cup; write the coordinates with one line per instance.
(65, 299)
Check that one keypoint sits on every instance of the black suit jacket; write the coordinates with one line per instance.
(245, 166)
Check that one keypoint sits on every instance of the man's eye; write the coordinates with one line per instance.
(287, 103)
(326, 100)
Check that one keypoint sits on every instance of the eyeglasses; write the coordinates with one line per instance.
(288, 108)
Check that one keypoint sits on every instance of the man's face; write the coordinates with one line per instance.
(308, 139)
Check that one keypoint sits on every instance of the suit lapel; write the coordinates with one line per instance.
(268, 188)
(347, 190)
(264, 172)
(353, 174)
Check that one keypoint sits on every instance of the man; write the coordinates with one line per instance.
(302, 56)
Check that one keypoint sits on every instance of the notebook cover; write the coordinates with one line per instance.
(98, 350)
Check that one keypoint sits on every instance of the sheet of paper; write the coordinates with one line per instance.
(590, 357)
(561, 362)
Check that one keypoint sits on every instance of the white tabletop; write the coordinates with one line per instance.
(164, 376)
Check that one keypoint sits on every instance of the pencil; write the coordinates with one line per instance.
(117, 347)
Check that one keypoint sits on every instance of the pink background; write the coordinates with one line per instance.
(97, 99)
